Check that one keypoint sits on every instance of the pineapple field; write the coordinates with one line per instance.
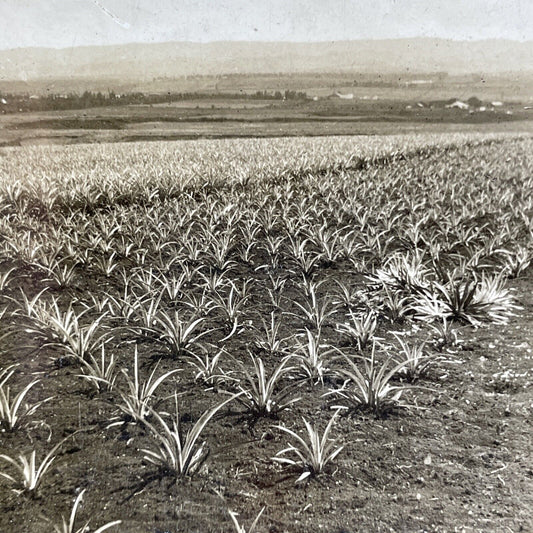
(267, 335)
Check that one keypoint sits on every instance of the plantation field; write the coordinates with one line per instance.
(285, 335)
(244, 118)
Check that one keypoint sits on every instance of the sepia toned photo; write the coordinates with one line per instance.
(266, 266)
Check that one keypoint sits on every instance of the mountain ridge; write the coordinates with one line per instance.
(185, 58)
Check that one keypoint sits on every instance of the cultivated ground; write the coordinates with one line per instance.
(269, 251)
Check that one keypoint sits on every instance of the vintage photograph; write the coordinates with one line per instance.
(266, 266)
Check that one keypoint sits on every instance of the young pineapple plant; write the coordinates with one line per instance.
(101, 371)
(13, 409)
(26, 475)
(515, 262)
(405, 273)
(268, 338)
(232, 307)
(416, 357)
(174, 331)
(315, 311)
(313, 454)
(139, 395)
(445, 334)
(263, 394)
(207, 366)
(177, 453)
(472, 302)
(313, 357)
(359, 330)
(369, 388)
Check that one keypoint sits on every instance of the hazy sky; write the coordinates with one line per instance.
(63, 23)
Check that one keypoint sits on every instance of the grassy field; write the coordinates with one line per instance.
(285, 335)
(237, 118)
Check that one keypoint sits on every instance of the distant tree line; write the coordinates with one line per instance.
(13, 103)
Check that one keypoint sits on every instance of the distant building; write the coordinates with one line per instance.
(458, 105)
(418, 82)
(496, 104)
(3, 100)
(348, 96)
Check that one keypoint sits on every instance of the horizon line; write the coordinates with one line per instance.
(243, 41)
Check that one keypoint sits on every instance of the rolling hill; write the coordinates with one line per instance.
(175, 59)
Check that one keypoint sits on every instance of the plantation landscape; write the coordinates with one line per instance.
(284, 335)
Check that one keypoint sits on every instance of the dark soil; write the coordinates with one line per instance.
(458, 459)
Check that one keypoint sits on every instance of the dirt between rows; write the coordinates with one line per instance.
(457, 458)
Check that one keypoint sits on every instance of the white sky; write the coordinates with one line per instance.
(63, 23)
